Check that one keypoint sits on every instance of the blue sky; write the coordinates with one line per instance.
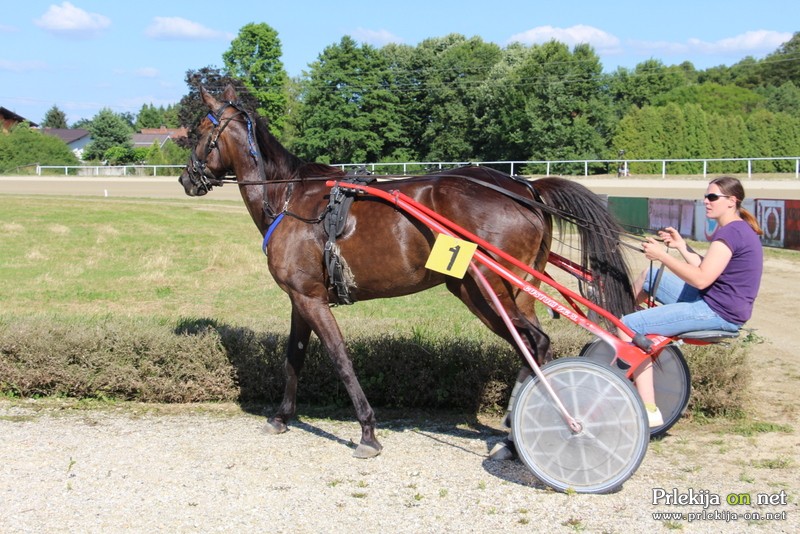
(85, 55)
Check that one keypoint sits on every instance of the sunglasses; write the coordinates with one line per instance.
(713, 197)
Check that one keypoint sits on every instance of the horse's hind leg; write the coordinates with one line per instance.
(299, 335)
(522, 315)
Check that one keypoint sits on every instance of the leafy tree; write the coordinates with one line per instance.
(404, 68)
(773, 134)
(83, 123)
(783, 99)
(149, 117)
(728, 138)
(646, 82)
(565, 114)
(502, 132)
(129, 118)
(254, 57)
(640, 133)
(119, 155)
(450, 71)
(713, 98)
(170, 116)
(746, 73)
(54, 118)
(23, 146)
(108, 130)
(783, 65)
(170, 154)
(292, 128)
(349, 110)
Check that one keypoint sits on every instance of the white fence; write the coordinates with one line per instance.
(615, 166)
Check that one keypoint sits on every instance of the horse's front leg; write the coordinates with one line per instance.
(318, 315)
(299, 335)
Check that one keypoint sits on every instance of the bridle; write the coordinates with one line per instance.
(199, 174)
(203, 179)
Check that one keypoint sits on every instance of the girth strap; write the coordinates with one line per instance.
(339, 204)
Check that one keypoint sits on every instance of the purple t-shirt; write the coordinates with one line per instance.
(733, 293)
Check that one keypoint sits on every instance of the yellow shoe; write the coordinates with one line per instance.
(654, 417)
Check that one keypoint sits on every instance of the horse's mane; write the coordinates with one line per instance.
(280, 164)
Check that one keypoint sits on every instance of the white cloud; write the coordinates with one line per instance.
(147, 72)
(759, 41)
(68, 20)
(180, 28)
(603, 42)
(756, 42)
(4, 28)
(375, 37)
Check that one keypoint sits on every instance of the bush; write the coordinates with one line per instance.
(720, 378)
(200, 360)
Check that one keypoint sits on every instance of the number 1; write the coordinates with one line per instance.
(455, 251)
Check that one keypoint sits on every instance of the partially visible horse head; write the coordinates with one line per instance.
(213, 157)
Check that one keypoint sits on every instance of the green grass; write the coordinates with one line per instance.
(163, 260)
(101, 287)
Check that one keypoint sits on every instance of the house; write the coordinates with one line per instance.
(9, 119)
(75, 138)
(148, 136)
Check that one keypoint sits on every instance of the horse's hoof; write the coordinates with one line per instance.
(503, 450)
(274, 427)
(366, 451)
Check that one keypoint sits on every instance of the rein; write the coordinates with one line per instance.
(532, 203)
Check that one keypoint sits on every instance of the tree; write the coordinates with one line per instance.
(713, 98)
(149, 117)
(404, 71)
(647, 81)
(54, 118)
(783, 65)
(108, 130)
(502, 121)
(783, 99)
(254, 58)
(83, 123)
(171, 115)
(455, 69)
(349, 109)
(23, 146)
(560, 109)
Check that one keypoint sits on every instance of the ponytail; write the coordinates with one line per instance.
(749, 219)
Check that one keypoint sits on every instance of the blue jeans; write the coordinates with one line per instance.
(682, 310)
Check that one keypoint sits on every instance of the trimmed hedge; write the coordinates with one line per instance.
(200, 360)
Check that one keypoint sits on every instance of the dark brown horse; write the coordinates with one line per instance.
(383, 250)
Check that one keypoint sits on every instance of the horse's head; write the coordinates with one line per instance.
(219, 144)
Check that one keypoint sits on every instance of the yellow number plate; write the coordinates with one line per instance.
(451, 256)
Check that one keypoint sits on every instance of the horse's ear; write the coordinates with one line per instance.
(230, 94)
(212, 103)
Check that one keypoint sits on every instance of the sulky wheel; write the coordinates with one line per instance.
(613, 437)
(673, 383)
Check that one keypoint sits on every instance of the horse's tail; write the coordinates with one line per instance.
(570, 202)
